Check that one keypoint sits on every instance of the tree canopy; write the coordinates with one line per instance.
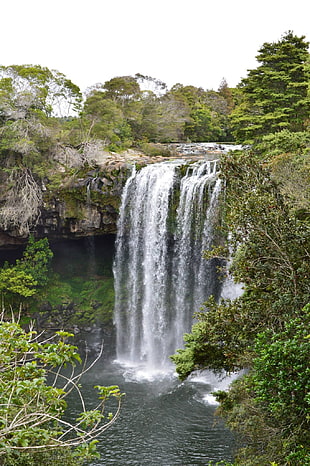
(275, 95)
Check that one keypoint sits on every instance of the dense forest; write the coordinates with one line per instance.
(45, 118)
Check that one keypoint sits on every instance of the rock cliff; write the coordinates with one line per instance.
(80, 200)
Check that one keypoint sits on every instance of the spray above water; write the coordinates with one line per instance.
(166, 221)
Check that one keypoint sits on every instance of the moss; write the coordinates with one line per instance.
(75, 300)
(104, 199)
(72, 200)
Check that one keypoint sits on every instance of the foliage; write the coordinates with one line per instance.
(282, 374)
(33, 392)
(284, 142)
(26, 88)
(36, 260)
(207, 112)
(270, 407)
(105, 117)
(266, 330)
(28, 275)
(274, 95)
(182, 113)
(218, 340)
(16, 282)
(288, 157)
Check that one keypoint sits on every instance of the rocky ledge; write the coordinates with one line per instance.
(80, 199)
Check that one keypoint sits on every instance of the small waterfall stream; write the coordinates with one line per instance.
(167, 220)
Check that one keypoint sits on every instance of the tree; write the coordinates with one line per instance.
(275, 95)
(122, 89)
(29, 88)
(227, 94)
(173, 113)
(208, 113)
(270, 406)
(153, 85)
(22, 201)
(33, 392)
(28, 275)
(282, 373)
(29, 96)
(36, 260)
(104, 117)
(288, 156)
(266, 330)
(16, 282)
(201, 128)
(114, 111)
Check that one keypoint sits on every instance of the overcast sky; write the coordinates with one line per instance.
(194, 42)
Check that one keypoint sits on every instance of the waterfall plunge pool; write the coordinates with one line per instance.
(163, 422)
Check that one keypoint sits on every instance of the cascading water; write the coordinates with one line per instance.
(193, 276)
(166, 222)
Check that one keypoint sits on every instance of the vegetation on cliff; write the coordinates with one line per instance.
(266, 331)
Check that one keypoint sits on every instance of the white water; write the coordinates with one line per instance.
(161, 278)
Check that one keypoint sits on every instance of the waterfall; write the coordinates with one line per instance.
(166, 222)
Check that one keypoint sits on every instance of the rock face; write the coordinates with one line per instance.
(84, 206)
(81, 201)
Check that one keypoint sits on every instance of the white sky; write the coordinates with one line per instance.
(194, 42)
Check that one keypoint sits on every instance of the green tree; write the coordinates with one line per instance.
(270, 406)
(227, 94)
(14, 283)
(28, 275)
(122, 89)
(207, 112)
(173, 113)
(33, 401)
(104, 117)
(198, 125)
(36, 260)
(113, 111)
(275, 94)
(282, 373)
(201, 126)
(288, 157)
(148, 127)
(266, 329)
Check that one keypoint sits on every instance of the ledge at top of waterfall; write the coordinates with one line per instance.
(167, 219)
